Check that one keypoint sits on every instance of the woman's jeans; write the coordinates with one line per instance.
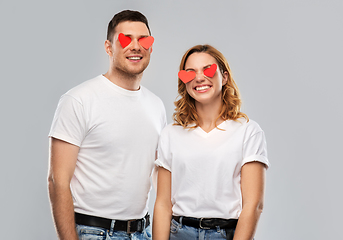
(179, 231)
(96, 233)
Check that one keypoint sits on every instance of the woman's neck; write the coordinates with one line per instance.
(208, 115)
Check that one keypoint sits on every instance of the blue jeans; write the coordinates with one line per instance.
(96, 233)
(179, 231)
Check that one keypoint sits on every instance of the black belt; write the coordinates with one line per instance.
(129, 226)
(207, 223)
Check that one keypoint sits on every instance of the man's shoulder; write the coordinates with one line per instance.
(150, 95)
(85, 87)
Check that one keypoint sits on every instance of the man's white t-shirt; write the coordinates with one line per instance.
(206, 167)
(117, 131)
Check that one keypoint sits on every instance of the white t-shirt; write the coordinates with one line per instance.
(117, 131)
(206, 167)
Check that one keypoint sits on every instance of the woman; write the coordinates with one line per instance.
(212, 160)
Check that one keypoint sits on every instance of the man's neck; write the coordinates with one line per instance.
(126, 81)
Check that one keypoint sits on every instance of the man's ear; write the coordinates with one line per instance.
(108, 48)
(151, 49)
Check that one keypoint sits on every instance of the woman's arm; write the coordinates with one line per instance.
(163, 206)
(252, 186)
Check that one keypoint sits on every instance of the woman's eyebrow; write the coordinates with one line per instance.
(207, 66)
(191, 69)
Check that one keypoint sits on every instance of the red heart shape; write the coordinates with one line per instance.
(124, 40)
(209, 72)
(186, 76)
(146, 42)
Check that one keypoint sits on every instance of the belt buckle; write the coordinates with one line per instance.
(201, 225)
(128, 227)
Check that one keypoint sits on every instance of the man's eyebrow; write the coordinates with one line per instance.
(140, 36)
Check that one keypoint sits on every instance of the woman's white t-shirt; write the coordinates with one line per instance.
(206, 167)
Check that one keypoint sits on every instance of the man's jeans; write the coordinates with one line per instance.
(180, 232)
(95, 233)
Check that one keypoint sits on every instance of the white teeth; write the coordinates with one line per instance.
(134, 58)
(202, 88)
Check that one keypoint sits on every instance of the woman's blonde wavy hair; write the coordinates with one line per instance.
(185, 112)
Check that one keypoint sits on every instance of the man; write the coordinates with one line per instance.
(103, 142)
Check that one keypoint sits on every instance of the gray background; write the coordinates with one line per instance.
(286, 58)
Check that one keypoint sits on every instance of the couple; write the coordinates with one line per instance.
(107, 133)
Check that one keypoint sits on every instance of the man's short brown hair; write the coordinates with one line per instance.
(123, 16)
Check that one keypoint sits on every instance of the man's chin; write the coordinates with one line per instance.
(135, 71)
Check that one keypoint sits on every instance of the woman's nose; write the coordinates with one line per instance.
(199, 77)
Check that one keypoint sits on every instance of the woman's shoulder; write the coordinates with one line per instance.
(253, 125)
(171, 127)
(244, 124)
(251, 128)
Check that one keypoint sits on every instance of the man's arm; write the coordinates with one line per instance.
(252, 185)
(163, 206)
(63, 157)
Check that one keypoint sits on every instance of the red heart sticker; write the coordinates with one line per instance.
(124, 40)
(146, 42)
(186, 76)
(209, 72)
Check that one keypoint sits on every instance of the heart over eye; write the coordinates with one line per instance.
(124, 40)
(146, 42)
(209, 72)
(186, 76)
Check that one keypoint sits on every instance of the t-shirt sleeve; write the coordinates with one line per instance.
(164, 117)
(164, 153)
(255, 147)
(69, 122)
(163, 157)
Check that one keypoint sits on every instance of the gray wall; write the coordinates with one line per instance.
(286, 57)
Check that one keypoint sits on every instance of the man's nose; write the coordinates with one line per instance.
(135, 46)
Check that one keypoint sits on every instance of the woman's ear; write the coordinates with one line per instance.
(225, 77)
